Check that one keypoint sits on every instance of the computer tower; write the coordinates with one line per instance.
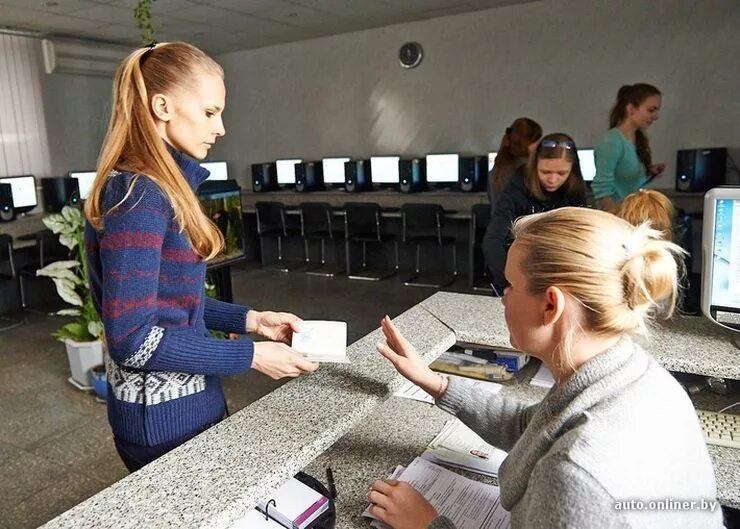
(412, 176)
(473, 175)
(357, 176)
(699, 170)
(264, 177)
(60, 192)
(7, 211)
(309, 176)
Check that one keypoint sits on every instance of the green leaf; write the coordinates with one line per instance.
(95, 328)
(59, 265)
(54, 222)
(68, 312)
(66, 291)
(68, 239)
(74, 331)
(60, 274)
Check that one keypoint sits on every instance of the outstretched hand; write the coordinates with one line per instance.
(407, 361)
(275, 326)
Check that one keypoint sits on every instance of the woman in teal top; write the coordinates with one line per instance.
(623, 158)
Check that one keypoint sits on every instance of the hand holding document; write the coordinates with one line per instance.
(322, 341)
(467, 503)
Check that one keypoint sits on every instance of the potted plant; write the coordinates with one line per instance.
(83, 336)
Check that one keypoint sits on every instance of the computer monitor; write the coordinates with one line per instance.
(23, 190)
(218, 170)
(84, 182)
(334, 171)
(286, 171)
(587, 163)
(720, 287)
(443, 169)
(491, 160)
(385, 170)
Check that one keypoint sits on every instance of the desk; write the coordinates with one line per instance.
(216, 478)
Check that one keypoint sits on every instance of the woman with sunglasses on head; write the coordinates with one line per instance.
(551, 180)
(517, 144)
(148, 241)
(623, 158)
(616, 430)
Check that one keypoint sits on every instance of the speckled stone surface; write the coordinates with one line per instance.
(214, 479)
(687, 344)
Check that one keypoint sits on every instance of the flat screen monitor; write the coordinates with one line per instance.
(720, 289)
(385, 169)
(23, 190)
(443, 168)
(588, 165)
(84, 182)
(286, 171)
(491, 160)
(217, 169)
(334, 170)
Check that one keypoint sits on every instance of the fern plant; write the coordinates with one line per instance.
(71, 278)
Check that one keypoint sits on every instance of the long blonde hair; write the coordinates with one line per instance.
(133, 143)
(649, 205)
(620, 274)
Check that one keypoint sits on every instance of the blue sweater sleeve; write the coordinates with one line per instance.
(607, 155)
(226, 317)
(130, 255)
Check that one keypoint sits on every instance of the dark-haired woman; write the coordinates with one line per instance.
(623, 158)
(551, 180)
(516, 146)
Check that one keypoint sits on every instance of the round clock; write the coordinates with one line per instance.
(410, 55)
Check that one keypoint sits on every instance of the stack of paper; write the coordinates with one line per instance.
(543, 378)
(294, 505)
(411, 391)
(322, 341)
(459, 446)
(467, 503)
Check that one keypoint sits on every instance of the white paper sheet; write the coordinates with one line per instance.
(411, 391)
(543, 378)
(459, 446)
(322, 341)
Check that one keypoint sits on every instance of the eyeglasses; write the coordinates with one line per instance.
(551, 144)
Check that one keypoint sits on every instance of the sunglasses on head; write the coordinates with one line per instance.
(551, 144)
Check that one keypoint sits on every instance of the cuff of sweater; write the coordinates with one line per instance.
(455, 396)
(441, 522)
(230, 316)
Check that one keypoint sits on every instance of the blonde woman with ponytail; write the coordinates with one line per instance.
(148, 242)
(616, 428)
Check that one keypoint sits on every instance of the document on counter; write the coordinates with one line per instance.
(322, 341)
(459, 446)
(469, 504)
(294, 505)
(543, 378)
(411, 391)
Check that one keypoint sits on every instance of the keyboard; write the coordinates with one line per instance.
(721, 429)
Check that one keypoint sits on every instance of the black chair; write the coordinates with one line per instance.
(479, 279)
(316, 224)
(49, 250)
(271, 224)
(422, 225)
(362, 225)
(8, 274)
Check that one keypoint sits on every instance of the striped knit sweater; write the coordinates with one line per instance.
(148, 286)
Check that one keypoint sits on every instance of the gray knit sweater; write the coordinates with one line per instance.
(620, 429)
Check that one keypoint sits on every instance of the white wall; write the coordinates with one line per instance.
(557, 61)
(77, 109)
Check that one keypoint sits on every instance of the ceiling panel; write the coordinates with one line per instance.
(225, 25)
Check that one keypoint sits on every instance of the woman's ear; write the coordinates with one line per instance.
(161, 107)
(554, 305)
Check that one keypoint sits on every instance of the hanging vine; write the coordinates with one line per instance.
(143, 16)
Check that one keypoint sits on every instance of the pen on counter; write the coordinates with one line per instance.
(330, 482)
